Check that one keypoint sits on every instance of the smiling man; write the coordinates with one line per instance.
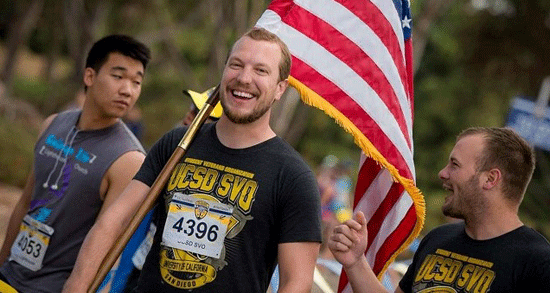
(240, 201)
(83, 160)
(491, 250)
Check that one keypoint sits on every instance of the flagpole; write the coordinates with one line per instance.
(155, 190)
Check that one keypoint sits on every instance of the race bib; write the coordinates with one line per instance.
(30, 245)
(196, 225)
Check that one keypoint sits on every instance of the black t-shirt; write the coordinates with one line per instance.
(518, 261)
(274, 196)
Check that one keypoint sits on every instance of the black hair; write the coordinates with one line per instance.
(122, 44)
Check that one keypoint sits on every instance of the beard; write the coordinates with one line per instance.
(237, 118)
(466, 200)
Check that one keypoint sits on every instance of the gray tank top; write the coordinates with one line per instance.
(69, 166)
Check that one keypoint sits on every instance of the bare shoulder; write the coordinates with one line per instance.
(121, 172)
(46, 123)
(127, 162)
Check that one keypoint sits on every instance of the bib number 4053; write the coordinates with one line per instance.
(29, 246)
(31, 243)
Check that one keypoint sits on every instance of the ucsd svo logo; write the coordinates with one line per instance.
(455, 270)
(224, 182)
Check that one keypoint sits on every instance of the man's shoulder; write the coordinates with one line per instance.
(530, 239)
(283, 153)
(444, 232)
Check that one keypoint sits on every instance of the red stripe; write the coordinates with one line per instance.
(319, 84)
(281, 7)
(395, 240)
(377, 219)
(353, 56)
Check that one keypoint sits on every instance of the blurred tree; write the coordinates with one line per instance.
(24, 18)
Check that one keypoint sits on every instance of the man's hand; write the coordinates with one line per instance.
(348, 241)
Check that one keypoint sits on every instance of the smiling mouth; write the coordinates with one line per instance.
(242, 95)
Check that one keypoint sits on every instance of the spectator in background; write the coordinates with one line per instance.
(197, 102)
(335, 187)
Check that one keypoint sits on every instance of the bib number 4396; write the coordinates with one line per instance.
(196, 225)
(200, 230)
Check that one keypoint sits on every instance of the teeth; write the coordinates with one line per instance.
(242, 94)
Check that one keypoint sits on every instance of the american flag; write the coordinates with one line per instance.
(353, 60)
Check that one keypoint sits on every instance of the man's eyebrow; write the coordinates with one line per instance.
(122, 68)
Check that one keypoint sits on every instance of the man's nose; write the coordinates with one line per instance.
(125, 88)
(245, 75)
(443, 174)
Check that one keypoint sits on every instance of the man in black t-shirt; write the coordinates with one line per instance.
(240, 201)
(490, 250)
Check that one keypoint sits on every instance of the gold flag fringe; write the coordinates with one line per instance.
(311, 98)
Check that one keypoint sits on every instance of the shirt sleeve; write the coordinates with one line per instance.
(300, 210)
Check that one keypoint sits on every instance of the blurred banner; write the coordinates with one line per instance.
(531, 119)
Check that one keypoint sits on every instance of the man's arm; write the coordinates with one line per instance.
(106, 230)
(22, 206)
(118, 176)
(348, 243)
(296, 266)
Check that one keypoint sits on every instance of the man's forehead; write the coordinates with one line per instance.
(247, 43)
(118, 61)
(469, 146)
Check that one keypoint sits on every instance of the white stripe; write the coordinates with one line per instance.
(363, 36)
(375, 194)
(341, 75)
(388, 10)
(391, 222)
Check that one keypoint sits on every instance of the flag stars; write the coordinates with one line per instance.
(406, 22)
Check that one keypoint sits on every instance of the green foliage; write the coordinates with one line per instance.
(48, 98)
(161, 115)
(16, 146)
(324, 137)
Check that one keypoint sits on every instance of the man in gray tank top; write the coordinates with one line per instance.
(83, 161)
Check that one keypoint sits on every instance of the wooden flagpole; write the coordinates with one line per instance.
(155, 190)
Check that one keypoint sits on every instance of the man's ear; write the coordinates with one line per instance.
(89, 76)
(492, 178)
(281, 88)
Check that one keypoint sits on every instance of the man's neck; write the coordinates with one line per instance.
(240, 136)
(91, 120)
(492, 224)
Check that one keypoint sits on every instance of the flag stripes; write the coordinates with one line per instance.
(353, 59)
(342, 82)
